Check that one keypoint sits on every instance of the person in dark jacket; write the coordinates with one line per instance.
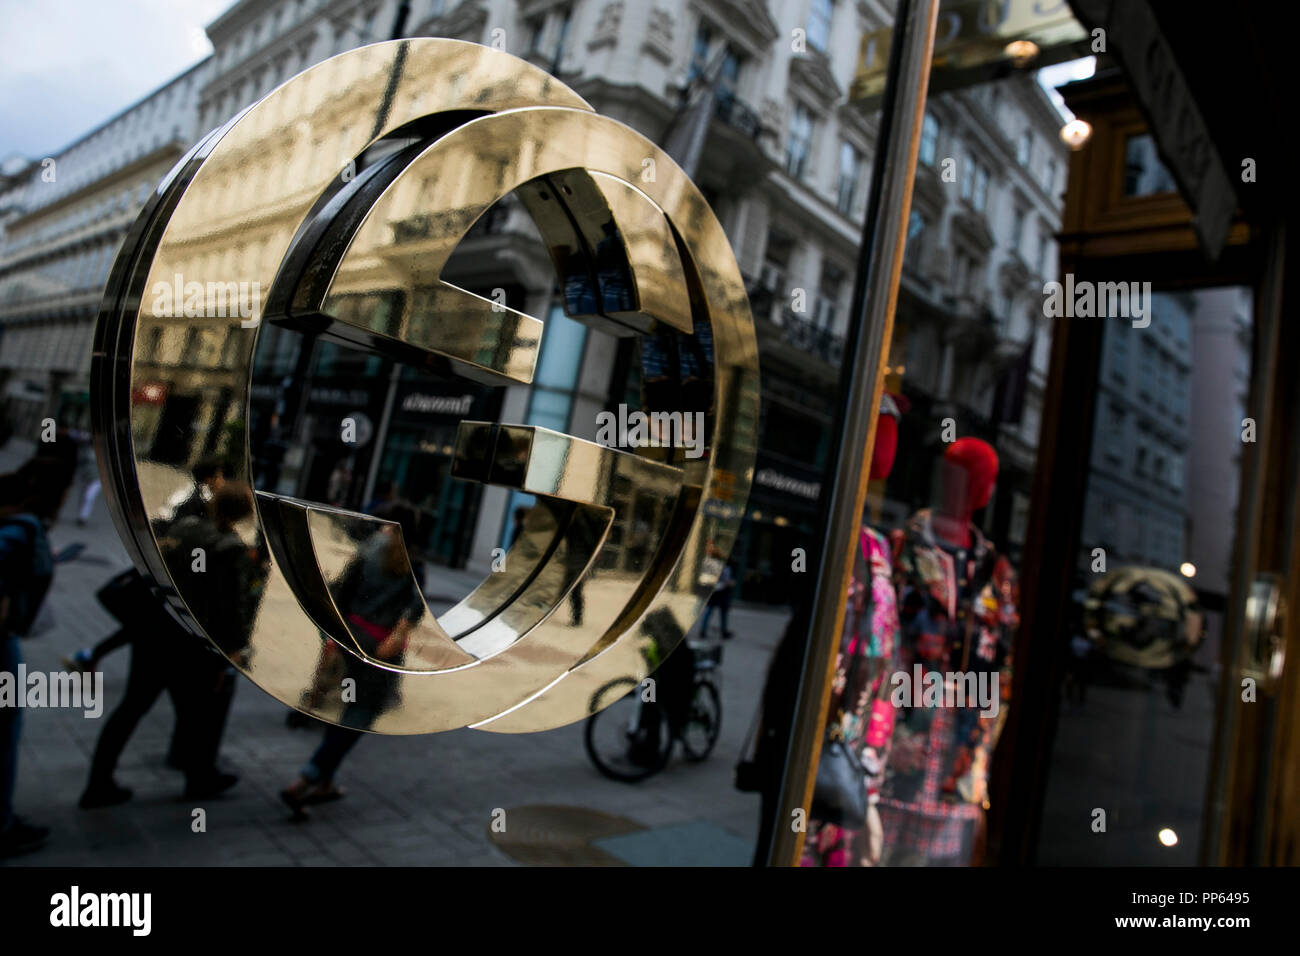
(209, 477)
(166, 656)
(780, 697)
(380, 601)
(30, 499)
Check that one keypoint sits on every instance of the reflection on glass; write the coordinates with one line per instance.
(1138, 702)
(921, 689)
(1144, 173)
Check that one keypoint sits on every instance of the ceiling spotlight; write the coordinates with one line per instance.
(1075, 133)
(1021, 51)
(1168, 837)
(1188, 569)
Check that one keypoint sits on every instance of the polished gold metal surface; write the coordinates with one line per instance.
(331, 208)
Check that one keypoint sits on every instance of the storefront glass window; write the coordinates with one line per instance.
(1138, 702)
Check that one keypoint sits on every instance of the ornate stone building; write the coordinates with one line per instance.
(784, 159)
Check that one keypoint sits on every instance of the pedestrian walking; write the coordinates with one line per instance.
(166, 656)
(380, 603)
(30, 499)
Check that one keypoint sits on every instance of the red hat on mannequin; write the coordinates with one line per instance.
(886, 446)
(976, 461)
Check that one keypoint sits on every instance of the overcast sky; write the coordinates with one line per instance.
(69, 65)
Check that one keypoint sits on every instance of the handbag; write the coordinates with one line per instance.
(131, 599)
(840, 790)
(125, 596)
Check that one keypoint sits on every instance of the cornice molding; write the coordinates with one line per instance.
(812, 72)
(746, 21)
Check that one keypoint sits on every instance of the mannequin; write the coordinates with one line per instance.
(885, 448)
(870, 635)
(892, 409)
(957, 615)
(970, 469)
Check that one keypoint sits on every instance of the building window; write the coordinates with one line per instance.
(1144, 173)
(729, 74)
(798, 144)
(1118, 353)
(368, 27)
(1025, 148)
(819, 24)
(929, 140)
(562, 35)
(828, 299)
(915, 226)
(1149, 363)
(968, 178)
(850, 178)
(915, 236)
(1115, 436)
(700, 54)
(536, 34)
(190, 350)
(980, 194)
(548, 33)
(961, 273)
(1017, 228)
(1049, 177)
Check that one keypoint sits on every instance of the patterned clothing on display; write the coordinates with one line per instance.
(870, 630)
(958, 613)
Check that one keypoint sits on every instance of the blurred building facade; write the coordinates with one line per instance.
(784, 160)
(64, 221)
(1142, 436)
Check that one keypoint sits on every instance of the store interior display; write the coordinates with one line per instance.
(931, 616)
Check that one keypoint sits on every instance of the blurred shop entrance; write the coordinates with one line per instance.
(1159, 720)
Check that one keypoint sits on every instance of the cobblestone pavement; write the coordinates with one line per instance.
(411, 800)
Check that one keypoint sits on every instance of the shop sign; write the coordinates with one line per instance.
(333, 265)
(771, 478)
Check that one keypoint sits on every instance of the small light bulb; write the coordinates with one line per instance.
(1021, 51)
(1188, 569)
(1168, 837)
(1075, 133)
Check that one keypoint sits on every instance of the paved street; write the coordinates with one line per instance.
(411, 800)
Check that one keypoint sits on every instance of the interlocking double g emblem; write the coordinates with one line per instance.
(330, 209)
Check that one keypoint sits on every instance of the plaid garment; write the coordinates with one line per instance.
(957, 612)
(928, 831)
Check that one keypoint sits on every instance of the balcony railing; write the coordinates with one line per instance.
(802, 334)
(731, 110)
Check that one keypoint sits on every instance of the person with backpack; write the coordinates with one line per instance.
(30, 499)
(209, 477)
(378, 594)
(166, 656)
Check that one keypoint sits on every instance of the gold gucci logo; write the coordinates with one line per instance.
(330, 209)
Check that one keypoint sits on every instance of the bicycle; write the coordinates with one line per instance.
(633, 738)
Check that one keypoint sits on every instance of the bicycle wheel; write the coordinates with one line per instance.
(703, 724)
(628, 740)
